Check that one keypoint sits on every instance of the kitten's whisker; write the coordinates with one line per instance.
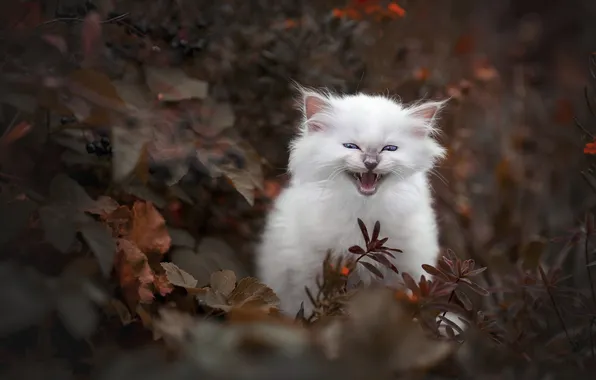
(439, 176)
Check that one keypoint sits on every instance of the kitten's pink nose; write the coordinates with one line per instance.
(370, 164)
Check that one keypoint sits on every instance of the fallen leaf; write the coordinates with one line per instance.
(178, 277)
(242, 182)
(99, 239)
(102, 206)
(251, 292)
(172, 84)
(223, 282)
(211, 255)
(134, 273)
(149, 230)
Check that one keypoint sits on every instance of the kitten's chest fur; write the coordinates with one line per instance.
(333, 223)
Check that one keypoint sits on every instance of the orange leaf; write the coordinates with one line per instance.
(590, 148)
(134, 273)
(149, 230)
(396, 9)
(21, 130)
(422, 74)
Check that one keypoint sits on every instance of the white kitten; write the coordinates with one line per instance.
(355, 156)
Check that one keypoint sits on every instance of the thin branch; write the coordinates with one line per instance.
(76, 19)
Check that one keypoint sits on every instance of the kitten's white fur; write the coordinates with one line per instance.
(318, 211)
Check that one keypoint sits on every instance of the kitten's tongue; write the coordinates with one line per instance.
(368, 181)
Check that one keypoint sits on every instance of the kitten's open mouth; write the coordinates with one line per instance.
(366, 183)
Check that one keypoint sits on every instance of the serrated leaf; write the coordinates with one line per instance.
(178, 277)
(99, 239)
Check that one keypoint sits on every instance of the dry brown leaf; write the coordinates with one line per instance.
(178, 277)
(248, 293)
(242, 182)
(223, 282)
(102, 206)
(149, 230)
(134, 273)
(172, 84)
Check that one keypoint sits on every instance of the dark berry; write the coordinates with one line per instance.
(105, 142)
(90, 148)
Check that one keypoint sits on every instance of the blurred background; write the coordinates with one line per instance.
(190, 105)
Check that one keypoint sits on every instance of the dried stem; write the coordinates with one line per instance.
(559, 316)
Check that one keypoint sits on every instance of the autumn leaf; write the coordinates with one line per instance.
(242, 182)
(102, 206)
(135, 275)
(248, 293)
(223, 282)
(178, 277)
(149, 230)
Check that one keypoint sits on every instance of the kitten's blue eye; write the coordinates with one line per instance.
(351, 146)
(390, 148)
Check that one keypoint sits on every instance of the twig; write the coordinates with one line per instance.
(554, 303)
(76, 19)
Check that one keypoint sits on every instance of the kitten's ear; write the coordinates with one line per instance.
(312, 103)
(427, 113)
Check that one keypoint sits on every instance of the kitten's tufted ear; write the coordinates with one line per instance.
(312, 104)
(426, 112)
